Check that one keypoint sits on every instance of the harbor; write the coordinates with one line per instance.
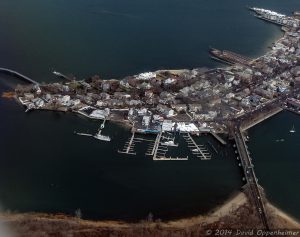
(163, 142)
(124, 176)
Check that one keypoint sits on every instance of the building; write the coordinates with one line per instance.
(187, 127)
(293, 103)
(146, 76)
(146, 121)
(99, 114)
(168, 126)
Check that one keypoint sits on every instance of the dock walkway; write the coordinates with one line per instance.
(129, 146)
(199, 150)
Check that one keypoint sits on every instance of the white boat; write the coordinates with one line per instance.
(101, 137)
(293, 129)
(56, 73)
(98, 136)
(169, 143)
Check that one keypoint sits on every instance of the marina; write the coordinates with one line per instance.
(199, 150)
(130, 145)
(122, 173)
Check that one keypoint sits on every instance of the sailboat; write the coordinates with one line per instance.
(293, 129)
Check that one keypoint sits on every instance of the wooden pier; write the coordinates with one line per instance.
(199, 150)
(129, 146)
(153, 148)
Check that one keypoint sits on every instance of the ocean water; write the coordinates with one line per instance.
(275, 152)
(44, 167)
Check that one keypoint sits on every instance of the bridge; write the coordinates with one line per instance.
(19, 75)
(252, 185)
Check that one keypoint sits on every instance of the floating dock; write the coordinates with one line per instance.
(199, 150)
(171, 158)
(129, 146)
(153, 148)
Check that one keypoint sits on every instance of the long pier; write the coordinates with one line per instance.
(19, 75)
(156, 145)
(229, 57)
(252, 185)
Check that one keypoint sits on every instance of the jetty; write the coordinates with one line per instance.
(229, 57)
(19, 75)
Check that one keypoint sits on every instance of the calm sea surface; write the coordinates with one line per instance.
(44, 167)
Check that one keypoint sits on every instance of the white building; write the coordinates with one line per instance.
(146, 121)
(65, 99)
(187, 127)
(168, 126)
(99, 114)
(146, 76)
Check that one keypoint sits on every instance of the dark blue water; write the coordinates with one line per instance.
(44, 167)
(277, 162)
(115, 38)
